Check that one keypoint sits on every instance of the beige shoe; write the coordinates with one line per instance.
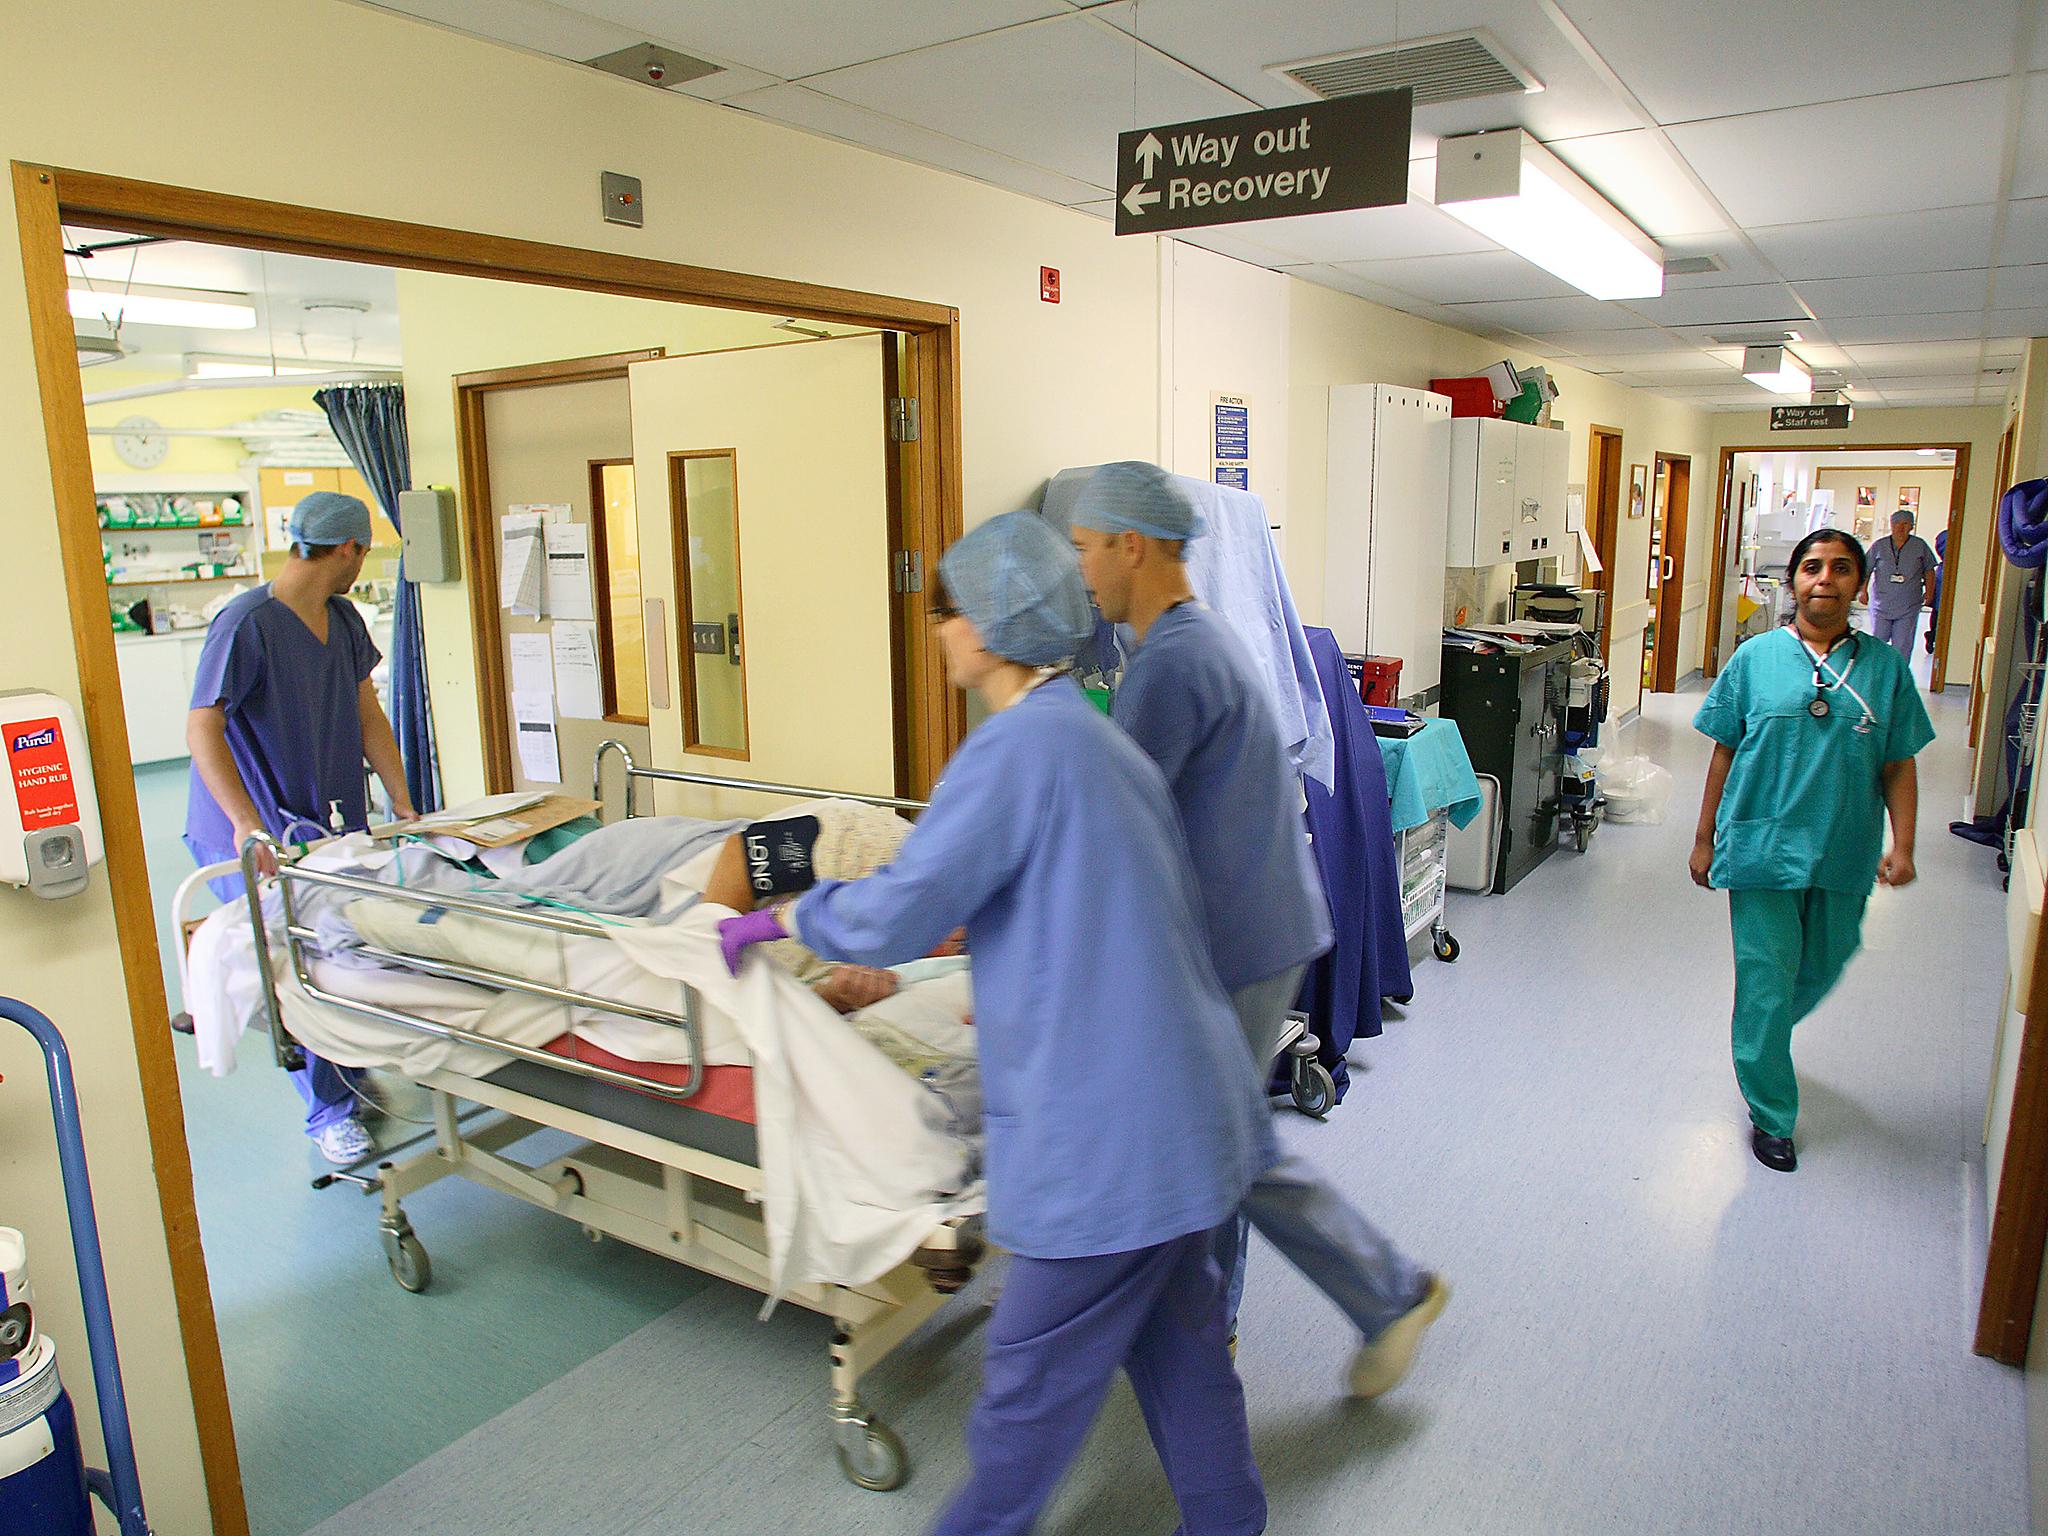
(1380, 1365)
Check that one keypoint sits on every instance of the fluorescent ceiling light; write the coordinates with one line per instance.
(193, 308)
(1777, 370)
(1518, 194)
(202, 365)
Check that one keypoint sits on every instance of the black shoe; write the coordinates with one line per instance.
(1773, 1151)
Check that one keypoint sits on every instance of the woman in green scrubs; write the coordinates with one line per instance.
(1814, 730)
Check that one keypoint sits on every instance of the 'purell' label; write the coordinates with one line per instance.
(41, 771)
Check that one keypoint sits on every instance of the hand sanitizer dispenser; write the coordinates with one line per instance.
(49, 815)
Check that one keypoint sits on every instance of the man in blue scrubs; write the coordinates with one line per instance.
(283, 714)
(1190, 698)
(1122, 1119)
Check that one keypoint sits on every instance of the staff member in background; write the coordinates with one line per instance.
(283, 714)
(1934, 600)
(1814, 737)
(1899, 583)
(1191, 699)
(1123, 1127)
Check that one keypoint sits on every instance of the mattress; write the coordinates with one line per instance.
(719, 1119)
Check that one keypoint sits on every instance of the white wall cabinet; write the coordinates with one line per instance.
(156, 691)
(1507, 492)
(1389, 498)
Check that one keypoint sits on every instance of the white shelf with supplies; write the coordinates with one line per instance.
(1508, 491)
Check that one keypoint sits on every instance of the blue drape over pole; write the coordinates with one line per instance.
(369, 419)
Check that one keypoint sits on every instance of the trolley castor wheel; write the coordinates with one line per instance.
(407, 1256)
(871, 1454)
(1445, 946)
(1315, 1091)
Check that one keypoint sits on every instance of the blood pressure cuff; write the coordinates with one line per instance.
(781, 855)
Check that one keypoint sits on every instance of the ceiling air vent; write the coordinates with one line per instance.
(1457, 66)
(652, 64)
(1692, 266)
(1764, 334)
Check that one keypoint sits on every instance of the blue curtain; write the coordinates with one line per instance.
(370, 421)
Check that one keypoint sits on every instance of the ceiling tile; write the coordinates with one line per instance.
(2026, 232)
(1374, 234)
(2030, 171)
(1225, 40)
(1104, 208)
(1932, 241)
(1849, 159)
(1610, 344)
(1687, 367)
(1636, 173)
(2020, 323)
(1550, 317)
(1055, 94)
(1914, 293)
(1957, 325)
(1462, 279)
(1358, 287)
(793, 38)
(1239, 242)
(1742, 304)
(803, 107)
(1897, 359)
(1686, 61)
(2020, 287)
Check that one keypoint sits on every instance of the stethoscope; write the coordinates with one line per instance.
(1825, 677)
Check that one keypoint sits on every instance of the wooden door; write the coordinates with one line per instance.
(1603, 481)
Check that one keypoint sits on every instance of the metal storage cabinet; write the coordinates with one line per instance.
(1510, 710)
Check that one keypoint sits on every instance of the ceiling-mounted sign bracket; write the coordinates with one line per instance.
(1277, 164)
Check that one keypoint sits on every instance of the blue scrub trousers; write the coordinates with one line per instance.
(324, 1086)
(1897, 632)
(1790, 949)
(1057, 1336)
(1301, 1213)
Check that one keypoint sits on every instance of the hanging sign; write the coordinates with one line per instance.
(1809, 418)
(1278, 164)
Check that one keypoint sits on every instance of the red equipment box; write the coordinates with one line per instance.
(1469, 397)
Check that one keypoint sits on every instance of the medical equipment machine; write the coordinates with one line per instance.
(669, 1156)
(44, 1482)
(49, 816)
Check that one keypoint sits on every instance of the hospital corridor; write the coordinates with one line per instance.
(1055, 768)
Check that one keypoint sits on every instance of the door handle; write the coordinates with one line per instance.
(1667, 567)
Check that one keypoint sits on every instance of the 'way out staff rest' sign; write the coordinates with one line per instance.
(1279, 164)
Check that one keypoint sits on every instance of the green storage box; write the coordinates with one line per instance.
(1526, 406)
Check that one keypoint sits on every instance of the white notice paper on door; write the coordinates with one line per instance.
(533, 722)
(521, 563)
(532, 672)
(579, 689)
(569, 572)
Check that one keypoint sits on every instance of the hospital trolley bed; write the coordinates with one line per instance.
(669, 1157)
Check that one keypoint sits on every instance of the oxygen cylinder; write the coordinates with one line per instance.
(42, 1466)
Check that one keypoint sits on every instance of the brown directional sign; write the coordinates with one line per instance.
(1809, 418)
(1279, 164)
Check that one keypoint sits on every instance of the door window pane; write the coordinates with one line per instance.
(622, 640)
(704, 499)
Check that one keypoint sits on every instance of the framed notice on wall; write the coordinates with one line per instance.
(1230, 441)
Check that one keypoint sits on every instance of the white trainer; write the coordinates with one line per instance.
(1380, 1365)
(345, 1142)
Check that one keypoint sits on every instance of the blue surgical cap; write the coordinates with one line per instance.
(1138, 496)
(1021, 585)
(329, 517)
(1905, 513)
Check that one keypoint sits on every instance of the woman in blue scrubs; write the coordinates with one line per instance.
(1124, 1125)
(1815, 728)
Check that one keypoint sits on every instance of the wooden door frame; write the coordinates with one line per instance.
(1944, 613)
(2008, 445)
(2019, 1222)
(480, 531)
(1677, 528)
(46, 198)
(600, 560)
(1606, 515)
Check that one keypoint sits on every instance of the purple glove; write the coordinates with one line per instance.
(758, 927)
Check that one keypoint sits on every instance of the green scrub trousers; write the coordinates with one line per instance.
(1790, 950)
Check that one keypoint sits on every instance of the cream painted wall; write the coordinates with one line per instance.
(221, 456)
(445, 130)
(1223, 330)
